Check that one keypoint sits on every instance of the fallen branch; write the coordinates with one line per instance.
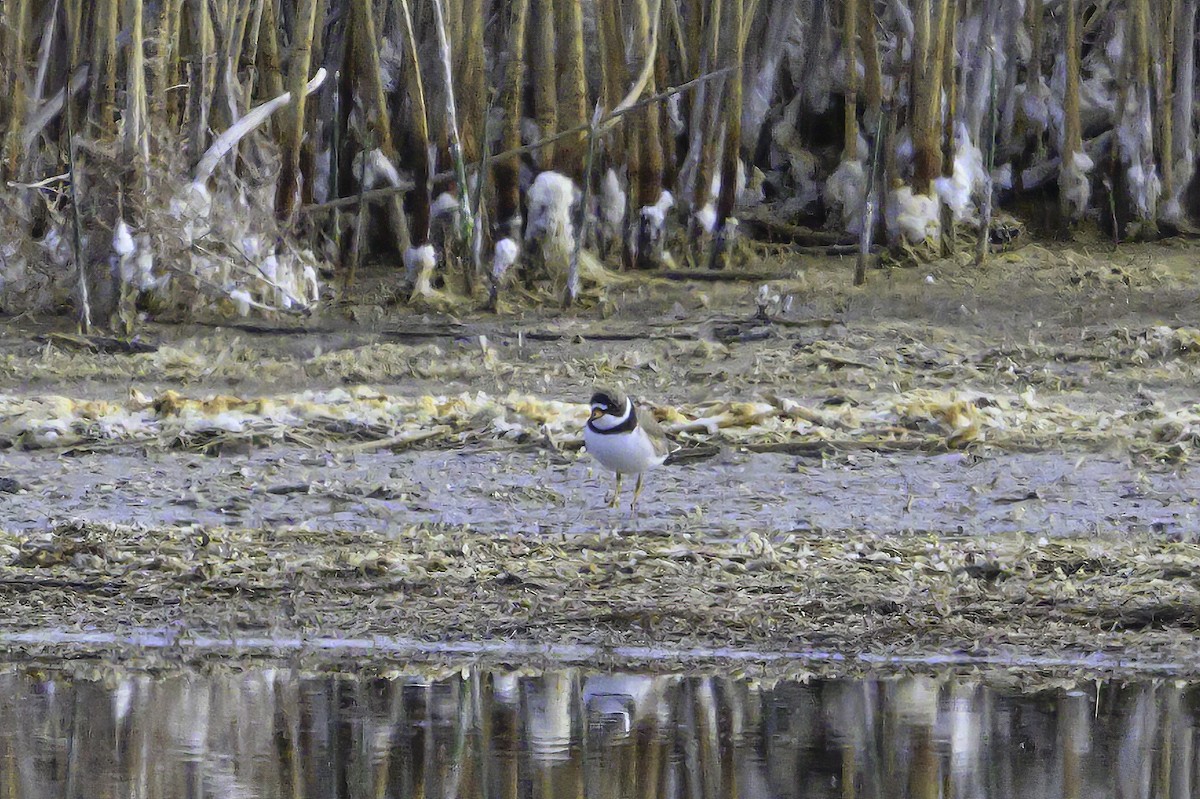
(240, 129)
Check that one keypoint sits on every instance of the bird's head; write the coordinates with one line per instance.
(608, 402)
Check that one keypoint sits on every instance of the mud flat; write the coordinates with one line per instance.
(984, 470)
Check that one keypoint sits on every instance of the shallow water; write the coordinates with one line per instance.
(269, 733)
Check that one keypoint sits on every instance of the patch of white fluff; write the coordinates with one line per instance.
(446, 204)
(378, 170)
(57, 247)
(657, 213)
(242, 301)
(550, 200)
(1002, 177)
(419, 263)
(324, 166)
(391, 64)
(1035, 104)
(967, 179)
(504, 256)
(13, 268)
(845, 194)
(1135, 144)
(312, 284)
(1075, 184)
(612, 206)
(905, 149)
(912, 217)
(706, 217)
(802, 165)
(123, 240)
(191, 208)
(752, 193)
(675, 114)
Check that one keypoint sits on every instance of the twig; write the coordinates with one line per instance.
(85, 305)
(581, 233)
(869, 200)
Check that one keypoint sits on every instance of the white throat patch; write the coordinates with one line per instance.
(608, 421)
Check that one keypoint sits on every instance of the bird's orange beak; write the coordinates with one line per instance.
(596, 414)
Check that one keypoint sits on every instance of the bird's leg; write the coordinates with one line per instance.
(637, 490)
(616, 498)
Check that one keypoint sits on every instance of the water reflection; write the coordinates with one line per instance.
(575, 734)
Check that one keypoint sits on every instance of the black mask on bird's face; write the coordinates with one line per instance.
(604, 404)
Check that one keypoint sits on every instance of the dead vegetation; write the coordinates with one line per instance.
(818, 603)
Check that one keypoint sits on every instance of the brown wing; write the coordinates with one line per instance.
(646, 421)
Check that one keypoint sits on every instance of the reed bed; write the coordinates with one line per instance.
(172, 157)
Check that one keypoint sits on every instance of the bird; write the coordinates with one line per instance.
(625, 439)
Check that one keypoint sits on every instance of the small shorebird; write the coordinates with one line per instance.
(625, 439)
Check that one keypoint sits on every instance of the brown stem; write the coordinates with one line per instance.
(293, 131)
(507, 169)
(572, 87)
(544, 72)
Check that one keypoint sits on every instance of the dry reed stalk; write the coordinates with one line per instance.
(363, 52)
(1167, 23)
(544, 74)
(250, 44)
(872, 66)
(1146, 215)
(466, 218)
(74, 11)
(614, 75)
(949, 85)
(650, 152)
(85, 305)
(199, 88)
(166, 65)
(849, 52)
(472, 80)
(707, 134)
(11, 118)
(1185, 101)
(572, 86)
(271, 74)
(225, 110)
(662, 77)
(989, 144)
(293, 132)
(417, 153)
(243, 21)
(732, 114)
(928, 53)
(870, 203)
(229, 139)
(507, 169)
(1072, 132)
(679, 37)
(104, 68)
(1035, 22)
(137, 136)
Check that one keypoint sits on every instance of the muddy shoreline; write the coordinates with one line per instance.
(949, 469)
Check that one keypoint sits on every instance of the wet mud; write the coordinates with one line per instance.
(989, 469)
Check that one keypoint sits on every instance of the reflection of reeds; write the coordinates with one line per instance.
(269, 734)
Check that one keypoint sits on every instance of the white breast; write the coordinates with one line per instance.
(625, 453)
